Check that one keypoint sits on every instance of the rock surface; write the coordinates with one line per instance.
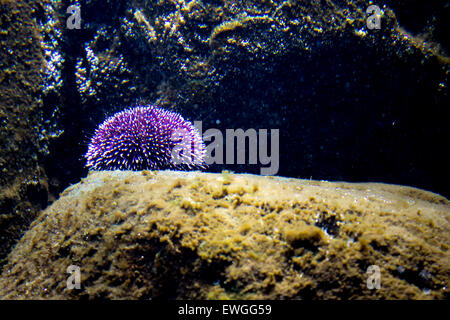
(141, 235)
(23, 133)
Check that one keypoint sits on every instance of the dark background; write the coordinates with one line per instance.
(349, 110)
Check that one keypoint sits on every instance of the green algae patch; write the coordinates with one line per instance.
(191, 235)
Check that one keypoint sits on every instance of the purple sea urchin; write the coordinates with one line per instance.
(146, 137)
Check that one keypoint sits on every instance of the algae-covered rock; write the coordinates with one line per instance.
(23, 133)
(141, 235)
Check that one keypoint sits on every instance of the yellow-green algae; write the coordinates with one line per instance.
(137, 235)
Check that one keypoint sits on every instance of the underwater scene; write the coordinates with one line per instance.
(224, 150)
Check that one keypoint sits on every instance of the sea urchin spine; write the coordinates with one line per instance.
(146, 137)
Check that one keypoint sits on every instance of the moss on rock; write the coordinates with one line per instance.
(139, 235)
(23, 182)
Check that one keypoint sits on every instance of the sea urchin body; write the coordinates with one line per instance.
(146, 137)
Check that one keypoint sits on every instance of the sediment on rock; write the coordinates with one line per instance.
(175, 235)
